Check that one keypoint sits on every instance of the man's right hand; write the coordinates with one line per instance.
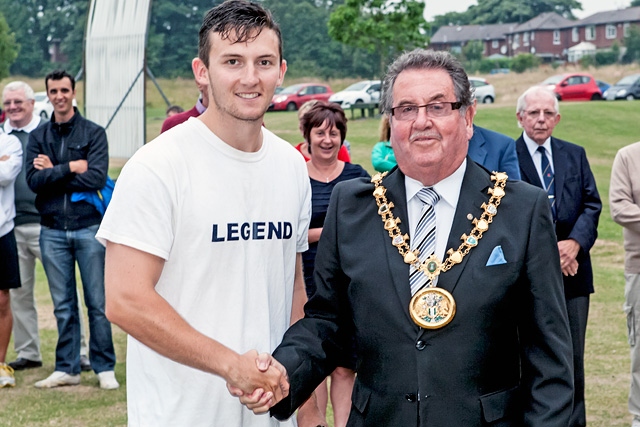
(78, 166)
(258, 380)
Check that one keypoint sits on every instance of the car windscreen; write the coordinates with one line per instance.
(628, 81)
(553, 80)
(290, 89)
(356, 87)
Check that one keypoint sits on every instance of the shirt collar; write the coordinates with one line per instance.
(35, 121)
(200, 107)
(532, 146)
(448, 188)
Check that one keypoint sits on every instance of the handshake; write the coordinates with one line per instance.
(259, 380)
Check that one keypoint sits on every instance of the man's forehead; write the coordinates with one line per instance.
(63, 83)
(433, 83)
(227, 43)
(14, 94)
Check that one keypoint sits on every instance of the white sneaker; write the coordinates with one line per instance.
(6, 376)
(108, 380)
(58, 379)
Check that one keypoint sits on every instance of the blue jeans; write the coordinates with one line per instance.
(60, 251)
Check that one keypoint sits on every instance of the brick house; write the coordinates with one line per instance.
(454, 38)
(543, 36)
(548, 35)
(604, 28)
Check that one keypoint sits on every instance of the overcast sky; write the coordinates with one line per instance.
(589, 7)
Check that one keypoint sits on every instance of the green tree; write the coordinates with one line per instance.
(308, 48)
(635, 3)
(8, 48)
(39, 23)
(503, 11)
(379, 26)
(173, 35)
(523, 62)
(632, 43)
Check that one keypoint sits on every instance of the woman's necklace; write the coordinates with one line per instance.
(328, 177)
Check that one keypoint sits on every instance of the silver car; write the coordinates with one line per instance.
(484, 91)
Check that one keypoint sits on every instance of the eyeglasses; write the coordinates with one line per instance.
(16, 102)
(437, 109)
(534, 114)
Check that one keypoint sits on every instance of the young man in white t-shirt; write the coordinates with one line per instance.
(204, 235)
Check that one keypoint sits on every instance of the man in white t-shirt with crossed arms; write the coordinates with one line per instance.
(204, 235)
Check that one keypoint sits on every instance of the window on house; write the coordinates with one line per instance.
(590, 32)
(494, 44)
(525, 39)
(532, 35)
(611, 32)
(556, 37)
(625, 29)
(575, 34)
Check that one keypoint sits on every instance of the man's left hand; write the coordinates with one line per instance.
(42, 162)
(568, 252)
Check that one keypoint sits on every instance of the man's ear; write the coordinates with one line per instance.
(283, 71)
(200, 72)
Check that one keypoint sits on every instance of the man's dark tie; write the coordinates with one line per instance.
(424, 238)
(549, 180)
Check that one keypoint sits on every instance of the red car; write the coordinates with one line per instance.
(574, 87)
(292, 97)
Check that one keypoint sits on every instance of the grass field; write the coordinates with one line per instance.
(601, 127)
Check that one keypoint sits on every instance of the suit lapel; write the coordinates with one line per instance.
(527, 168)
(559, 159)
(473, 194)
(396, 193)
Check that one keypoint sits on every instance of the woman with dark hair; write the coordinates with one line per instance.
(324, 127)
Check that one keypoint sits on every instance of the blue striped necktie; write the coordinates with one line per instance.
(424, 237)
(549, 180)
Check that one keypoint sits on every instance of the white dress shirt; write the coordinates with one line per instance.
(449, 191)
(536, 156)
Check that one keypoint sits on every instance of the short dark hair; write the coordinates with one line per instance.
(422, 59)
(59, 75)
(318, 114)
(175, 109)
(239, 20)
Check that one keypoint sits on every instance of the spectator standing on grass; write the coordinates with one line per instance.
(382, 157)
(70, 154)
(204, 235)
(10, 166)
(624, 202)
(18, 100)
(562, 170)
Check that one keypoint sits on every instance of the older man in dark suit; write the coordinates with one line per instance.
(473, 336)
(562, 169)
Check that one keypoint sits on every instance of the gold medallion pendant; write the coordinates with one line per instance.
(432, 308)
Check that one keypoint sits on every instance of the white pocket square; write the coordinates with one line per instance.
(496, 257)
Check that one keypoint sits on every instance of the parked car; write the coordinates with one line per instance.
(627, 88)
(484, 91)
(574, 87)
(603, 86)
(42, 106)
(279, 89)
(292, 97)
(366, 91)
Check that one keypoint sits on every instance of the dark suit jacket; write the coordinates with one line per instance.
(494, 151)
(578, 204)
(504, 359)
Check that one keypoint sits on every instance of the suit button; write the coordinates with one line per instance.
(420, 345)
(410, 397)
